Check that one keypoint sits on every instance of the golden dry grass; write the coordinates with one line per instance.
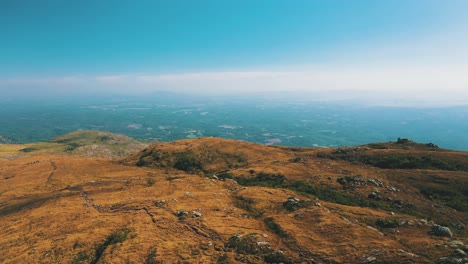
(62, 208)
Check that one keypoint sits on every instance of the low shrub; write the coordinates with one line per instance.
(248, 205)
(187, 162)
(118, 236)
(274, 227)
(387, 222)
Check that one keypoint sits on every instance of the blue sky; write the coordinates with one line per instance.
(304, 45)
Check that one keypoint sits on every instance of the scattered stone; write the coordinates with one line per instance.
(450, 260)
(181, 214)
(370, 259)
(392, 189)
(441, 231)
(455, 244)
(375, 229)
(160, 203)
(251, 244)
(342, 181)
(374, 195)
(460, 253)
(408, 253)
(292, 203)
(375, 182)
(196, 214)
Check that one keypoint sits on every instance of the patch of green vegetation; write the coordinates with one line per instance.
(346, 179)
(72, 146)
(378, 145)
(387, 222)
(247, 245)
(263, 179)
(81, 257)
(293, 204)
(341, 151)
(27, 150)
(150, 181)
(248, 205)
(327, 194)
(141, 162)
(412, 161)
(453, 194)
(274, 227)
(433, 161)
(332, 195)
(118, 236)
(224, 175)
(103, 138)
(223, 259)
(187, 162)
(276, 257)
(250, 245)
(308, 189)
(171, 178)
(151, 257)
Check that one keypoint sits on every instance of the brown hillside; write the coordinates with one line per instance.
(83, 143)
(213, 200)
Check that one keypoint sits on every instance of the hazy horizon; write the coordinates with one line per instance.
(410, 52)
(299, 73)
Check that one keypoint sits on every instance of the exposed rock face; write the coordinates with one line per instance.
(292, 203)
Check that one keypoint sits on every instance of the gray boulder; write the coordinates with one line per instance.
(441, 231)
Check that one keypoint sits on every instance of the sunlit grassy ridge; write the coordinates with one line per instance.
(213, 200)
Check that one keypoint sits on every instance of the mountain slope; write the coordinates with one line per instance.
(84, 143)
(214, 200)
(99, 144)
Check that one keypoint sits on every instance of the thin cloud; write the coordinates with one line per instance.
(400, 81)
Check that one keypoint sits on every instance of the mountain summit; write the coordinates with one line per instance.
(213, 200)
